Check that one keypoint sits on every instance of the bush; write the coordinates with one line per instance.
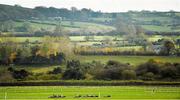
(150, 66)
(73, 71)
(128, 74)
(112, 71)
(20, 74)
(169, 72)
(49, 77)
(57, 70)
(148, 76)
(88, 76)
(6, 77)
(73, 74)
(109, 74)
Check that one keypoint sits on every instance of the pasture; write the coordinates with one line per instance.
(90, 93)
(158, 28)
(161, 19)
(78, 26)
(95, 38)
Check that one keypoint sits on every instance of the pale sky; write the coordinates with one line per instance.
(103, 5)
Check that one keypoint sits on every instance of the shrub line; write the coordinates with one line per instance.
(89, 83)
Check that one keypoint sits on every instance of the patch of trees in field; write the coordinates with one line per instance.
(162, 47)
(51, 51)
(112, 70)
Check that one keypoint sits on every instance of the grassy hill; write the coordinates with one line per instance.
(150, 21)
(77, 27)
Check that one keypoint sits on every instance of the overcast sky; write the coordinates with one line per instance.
(103, 5)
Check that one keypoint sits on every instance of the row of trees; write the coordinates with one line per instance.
(52, 50)
(17, 12)
(7, 12)
(28, 56)
(162, 48)
(113, 70)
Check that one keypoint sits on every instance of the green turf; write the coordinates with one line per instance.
(134, 60)
(116, 93)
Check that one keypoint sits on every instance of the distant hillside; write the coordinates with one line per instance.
(151, 21)
(18, 12)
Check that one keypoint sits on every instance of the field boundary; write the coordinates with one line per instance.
(89, 83)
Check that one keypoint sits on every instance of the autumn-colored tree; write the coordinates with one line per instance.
(55, 45)
(8, 48)
(168, 47)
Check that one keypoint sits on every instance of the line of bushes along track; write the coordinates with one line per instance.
(90, 83)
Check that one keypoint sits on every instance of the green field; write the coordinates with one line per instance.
(134, 60)
(101, 19)
(78, 26)
(115, 93)
(161, 19)
(158, 28)
(96, 38)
